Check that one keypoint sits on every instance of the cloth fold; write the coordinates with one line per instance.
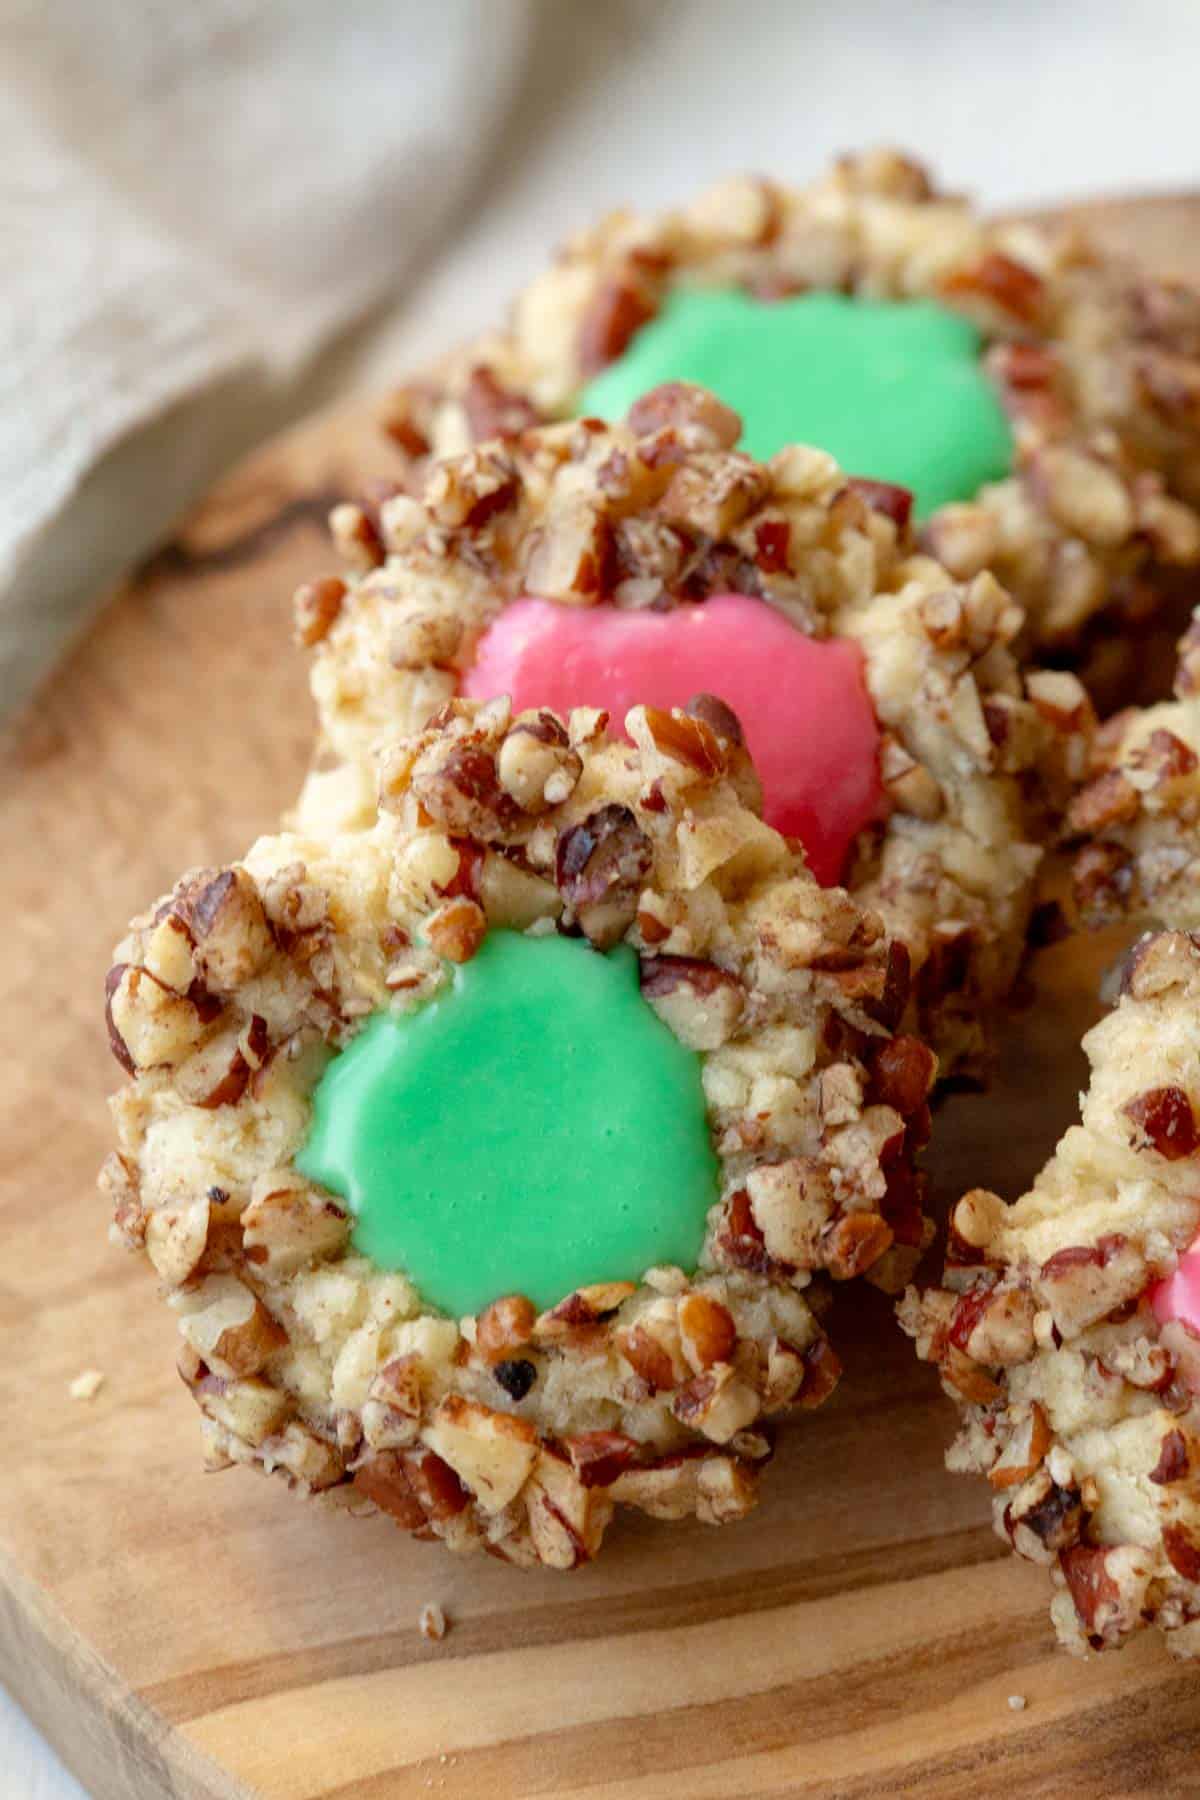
(195, 201)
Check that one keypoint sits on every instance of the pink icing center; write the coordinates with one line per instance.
(1178, 1297)
(803, 702)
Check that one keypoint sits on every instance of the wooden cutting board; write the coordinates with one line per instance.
(177, 1634)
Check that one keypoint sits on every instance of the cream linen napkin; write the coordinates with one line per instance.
(195, 199)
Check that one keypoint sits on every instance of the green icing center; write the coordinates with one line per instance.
(894, 389)
(534, 1128)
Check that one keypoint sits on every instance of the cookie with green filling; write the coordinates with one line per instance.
(499, 1160)
(1035, 394)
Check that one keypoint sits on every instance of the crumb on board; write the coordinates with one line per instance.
(1017, 1703)
(432, 1621)
(86, 1385)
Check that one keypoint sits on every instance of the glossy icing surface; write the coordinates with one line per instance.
(534, 1128)
(894, 389)
(802, 701)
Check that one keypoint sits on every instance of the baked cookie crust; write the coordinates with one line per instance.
(1078, 1406)
(1097, 365)
(1136, 822)
(515, 1431)
(977, 758)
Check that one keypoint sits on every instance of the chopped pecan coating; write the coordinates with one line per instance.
(517, 1431)
(1097, 365)
(1080, 1405)
(661, 513)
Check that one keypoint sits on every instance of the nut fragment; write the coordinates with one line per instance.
(1164, 1122)
(537, 764)
(460, 791)
(149, 1026)
(566, 1519)
(717, 1402)
(505, 1327)
(701, 421)
(791, 1203)
(288, 1224)
(456, 930)
(175, 1238)
(707, 1332)
(316, 606)
(391, 1413)
(700, 1002)
(618, 309)
(600, 865)
(432, 1622)
(228, 1326)
(686, 740)
(226, 917)
(494, 411)
(490, 1452)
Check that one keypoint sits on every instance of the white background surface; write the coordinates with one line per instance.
(628, 100)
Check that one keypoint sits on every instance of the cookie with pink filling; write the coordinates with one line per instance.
(1067, 1328)
(894, 736)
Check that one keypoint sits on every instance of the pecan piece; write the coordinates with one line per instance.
(494, 411)
(356, 536)
(1101, 879)
(902, 1075)
(1044, 1518)
(391, 1413)
(228, 1326)
(707, 1332)
(228, 923)
(218, 1073)
(287, 1224)
(1086, 1282)
(467, 492)
(600, 867)
(1106, 1583)
(1024, 1452)
(1001, 281)
(894, 503)
(149, 1025)
(581, 1311)
(822, 1372)
(567, 1518)
(702, 421)
(789, 1204)
(1183, 1552)
(463, 794)
(648, 1358)
(490, 1452)
(456, 930)
(685, 740)
(720, 719)
(599, 1457)
(504, 1326)
(718, 1403)
(1162, 759)
(316, 607)
(617, 310)
(1164, 1122)
(1173, 1463)
(854, 1243)
(700, 1002)
(537, 764)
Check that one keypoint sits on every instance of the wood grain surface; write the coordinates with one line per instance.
(177, 1634)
